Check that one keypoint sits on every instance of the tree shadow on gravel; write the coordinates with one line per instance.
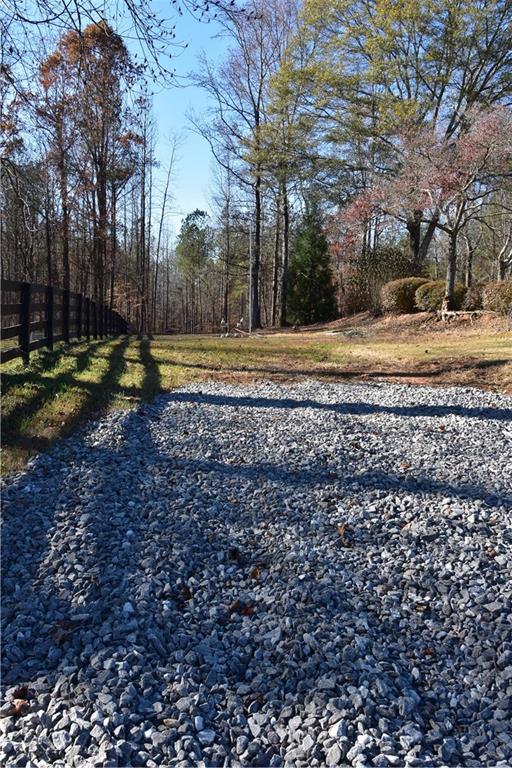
(217, 551)
(356, 409)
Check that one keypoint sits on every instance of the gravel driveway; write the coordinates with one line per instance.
(267, 575)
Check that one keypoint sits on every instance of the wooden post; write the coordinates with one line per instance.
(24, 337)
(88, 319)
(65, 315)
(49, 317)
(79, 316)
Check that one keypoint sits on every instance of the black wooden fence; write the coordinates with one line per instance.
(41, 315)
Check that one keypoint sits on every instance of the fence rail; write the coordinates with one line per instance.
(41, 315)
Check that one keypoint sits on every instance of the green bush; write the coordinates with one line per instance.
(497, 297)
(473, 297)
(398, 295)
(429, 296)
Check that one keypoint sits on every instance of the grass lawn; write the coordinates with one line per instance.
(62, 389)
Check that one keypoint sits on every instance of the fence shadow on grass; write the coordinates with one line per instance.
(95, 396)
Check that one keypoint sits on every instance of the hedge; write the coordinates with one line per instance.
(398, 295)
(429, 296)
(497, 297)
(473, 298)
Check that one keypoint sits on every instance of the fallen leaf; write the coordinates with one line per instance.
(185, 593)
(21, 693)
(62, 629)
(343, 531)
(18, 708)
(234, 555)
(244, 609)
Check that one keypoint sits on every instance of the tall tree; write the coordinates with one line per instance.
(311, 298)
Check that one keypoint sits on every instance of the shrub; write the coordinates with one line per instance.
(398, 295)
(497, 297)
(473, 297)
(429, 296)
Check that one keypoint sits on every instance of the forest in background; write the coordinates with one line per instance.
(355, 143)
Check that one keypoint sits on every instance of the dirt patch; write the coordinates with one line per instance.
(419, 323)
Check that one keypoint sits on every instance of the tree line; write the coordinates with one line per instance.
(354, 143)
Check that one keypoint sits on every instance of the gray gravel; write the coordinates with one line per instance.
(267, 575)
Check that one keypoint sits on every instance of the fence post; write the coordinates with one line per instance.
(65, 315)
(24, 337)
(88, 318)
(49, 317)
(79, 316)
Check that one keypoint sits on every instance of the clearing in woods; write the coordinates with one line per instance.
(62, 389)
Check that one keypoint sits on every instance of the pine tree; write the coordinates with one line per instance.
(311, 296)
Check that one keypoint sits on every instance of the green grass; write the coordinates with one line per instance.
(64, 388)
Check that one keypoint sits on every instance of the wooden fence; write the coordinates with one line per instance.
(41, 315)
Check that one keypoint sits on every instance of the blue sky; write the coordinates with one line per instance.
(193, 171)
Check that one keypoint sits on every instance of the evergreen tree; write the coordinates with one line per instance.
(311, 296)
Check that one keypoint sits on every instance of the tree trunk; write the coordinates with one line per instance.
(425, 243)
(275, 276)
(451, 271)
(468, 276)
(63, 183)
(414, 230)
(102, 237)
(48, 232)
(285, 246)
(113, 246)
(256, 257)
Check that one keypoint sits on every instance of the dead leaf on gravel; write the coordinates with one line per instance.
(21, 693)
(256, 572)
(234, 555)
(244, 609)
(18, 708)
(344, 532)
(62, 629)
(185, 593)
